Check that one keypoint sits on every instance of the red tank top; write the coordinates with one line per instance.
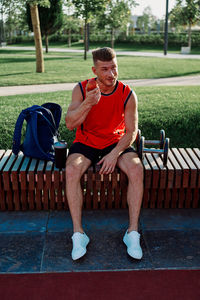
(104, 124)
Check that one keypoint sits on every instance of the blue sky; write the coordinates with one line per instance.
(158, 7)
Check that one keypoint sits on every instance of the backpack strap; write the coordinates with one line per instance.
(52, 125)
(56, 111)
(17, 132)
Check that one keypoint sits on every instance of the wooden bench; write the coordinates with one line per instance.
(31, 184)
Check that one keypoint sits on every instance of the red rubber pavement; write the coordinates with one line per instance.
(147, 284)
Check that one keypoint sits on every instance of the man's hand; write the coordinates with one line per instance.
(93, 96)
(108, 163)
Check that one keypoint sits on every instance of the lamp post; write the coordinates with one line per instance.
(166, 29)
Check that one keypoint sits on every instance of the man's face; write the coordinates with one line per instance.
(106, 71)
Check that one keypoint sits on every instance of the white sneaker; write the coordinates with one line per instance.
(132, 241)
(80, 241)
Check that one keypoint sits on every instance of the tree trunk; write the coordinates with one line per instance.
(46, 43)
(112, 38)
(85, 41)
(69, 38)
(88, 36)
(190, 35)
(2, 27)
(37, 38)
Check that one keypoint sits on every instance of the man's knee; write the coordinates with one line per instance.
(76, 165)
(135, 171)
(72, 172)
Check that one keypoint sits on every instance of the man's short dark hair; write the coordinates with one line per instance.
(103, 54)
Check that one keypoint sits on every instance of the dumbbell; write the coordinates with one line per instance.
(141, 150)
(160, 142)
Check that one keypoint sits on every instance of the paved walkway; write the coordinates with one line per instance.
(132, 53)
(45, 88)
(170, 239)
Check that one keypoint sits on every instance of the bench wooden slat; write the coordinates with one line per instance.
(60, 204)
(181, 200)
(30, 167)
(39, 173)
(47, 184)
(116, 187)
(160, 199)
(175, 198)
(2, 153)
(154, 180)
(48, 174)
(147, 173)
(177, 169)
(155, 173)
(145, 202)
(196, 197)
(18, 162)
(188, 198)
(4, 159)
(168, 198)
(24, 178)
(57, 178)
(171, 176)
(6, 173)
(185, 168)
(109, 192)
(39, 183)
(162, 171)
(88, 196)
(16, 181)
(193, 168)
(7, 180)
(197, 152)
(196, 161)
(96, 189)
(153, 197)
(2, 191)
(66, 207)
(103, 200)
(15, 171)
(23, 173)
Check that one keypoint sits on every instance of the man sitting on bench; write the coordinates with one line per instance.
(106, 119)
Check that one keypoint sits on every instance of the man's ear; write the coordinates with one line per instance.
(94, 70)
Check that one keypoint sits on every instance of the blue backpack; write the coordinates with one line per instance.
(41, 131)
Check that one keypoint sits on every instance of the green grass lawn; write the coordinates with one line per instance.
(174, 109)
(18, 67)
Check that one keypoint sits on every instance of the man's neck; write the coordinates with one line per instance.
(106, 89)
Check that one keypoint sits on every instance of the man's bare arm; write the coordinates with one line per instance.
(78, 109)
(131, 125)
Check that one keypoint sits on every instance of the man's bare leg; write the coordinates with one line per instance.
(131, 165)
(76, 166)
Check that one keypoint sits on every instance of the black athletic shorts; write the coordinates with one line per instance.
(94, 154)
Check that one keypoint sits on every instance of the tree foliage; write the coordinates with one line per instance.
(116, 15)
(147, 20)
(185, 13)
(44, 3)
(87, 10)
